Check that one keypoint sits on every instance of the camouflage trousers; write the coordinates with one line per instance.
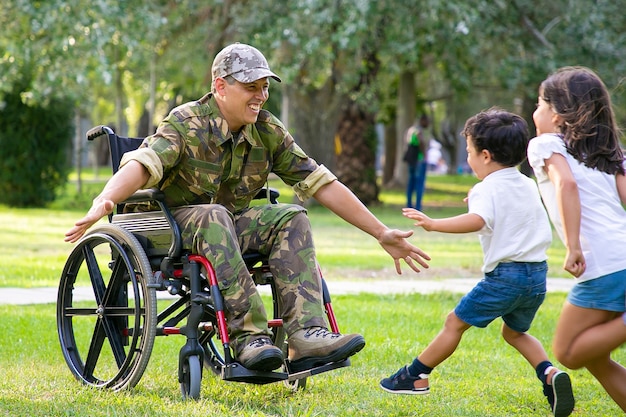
(282, 232)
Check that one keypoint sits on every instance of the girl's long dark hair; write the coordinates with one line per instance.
(589, 130)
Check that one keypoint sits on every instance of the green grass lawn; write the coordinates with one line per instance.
(485, 377)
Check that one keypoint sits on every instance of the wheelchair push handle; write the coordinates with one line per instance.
(97, 131)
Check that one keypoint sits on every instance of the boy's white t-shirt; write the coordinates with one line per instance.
(517, 228)
(603, 219)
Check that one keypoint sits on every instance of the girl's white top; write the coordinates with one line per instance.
(603, 219)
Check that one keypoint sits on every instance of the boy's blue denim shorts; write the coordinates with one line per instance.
(607, 293)
(513, 291)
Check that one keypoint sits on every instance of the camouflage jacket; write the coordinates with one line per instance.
(192, 158)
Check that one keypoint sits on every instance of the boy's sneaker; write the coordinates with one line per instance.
(559, 393)
(403, 383)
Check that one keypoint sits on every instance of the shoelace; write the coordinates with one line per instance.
(320, 332)
(260, 343)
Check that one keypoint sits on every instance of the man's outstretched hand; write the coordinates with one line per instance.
(97, 211)
(395, 243)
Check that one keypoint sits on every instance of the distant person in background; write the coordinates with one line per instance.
(435, 161)
(433, 156)
(415, 157)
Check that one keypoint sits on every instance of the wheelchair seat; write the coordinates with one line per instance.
(107, 340)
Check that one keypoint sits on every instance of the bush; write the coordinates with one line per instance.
(34, 144)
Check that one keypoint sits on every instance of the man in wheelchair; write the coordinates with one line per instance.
(210, 157)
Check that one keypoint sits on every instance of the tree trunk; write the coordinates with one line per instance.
(389, 164)
(449, 140)
(313, 116)
(406, 114)
(355, 146)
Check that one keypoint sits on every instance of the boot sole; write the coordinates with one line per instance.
(265, 361)
(342, 353)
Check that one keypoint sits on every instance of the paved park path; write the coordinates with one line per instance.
(22, 296)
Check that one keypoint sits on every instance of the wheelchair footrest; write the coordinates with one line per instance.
(238, 373)
(318, 370)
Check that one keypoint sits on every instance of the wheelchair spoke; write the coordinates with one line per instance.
(75, 311)
(95, 274)
(95, 347)
(117, 283)
(116, 340)
(105, 328)
(112, 311)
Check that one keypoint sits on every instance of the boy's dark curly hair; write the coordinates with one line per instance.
(503, 134)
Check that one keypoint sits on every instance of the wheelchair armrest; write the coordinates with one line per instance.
(150, 194)
(265, 192)
(156, 195)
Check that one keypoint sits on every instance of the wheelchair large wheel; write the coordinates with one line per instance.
(106, 309)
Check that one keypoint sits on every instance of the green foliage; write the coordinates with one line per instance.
(34, 143)
(73, 45)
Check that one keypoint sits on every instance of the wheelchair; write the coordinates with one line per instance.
(109, 314)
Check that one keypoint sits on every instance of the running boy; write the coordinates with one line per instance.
(514, 231)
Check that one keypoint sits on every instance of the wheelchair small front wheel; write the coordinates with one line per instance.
(192, 378)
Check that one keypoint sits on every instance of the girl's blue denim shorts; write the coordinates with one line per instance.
(607, 293)
(513, 291)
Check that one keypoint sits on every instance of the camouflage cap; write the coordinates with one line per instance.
(243, 62)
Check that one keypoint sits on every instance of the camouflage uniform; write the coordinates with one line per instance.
(209, 178)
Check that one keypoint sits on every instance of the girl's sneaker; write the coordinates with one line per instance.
(403, 383)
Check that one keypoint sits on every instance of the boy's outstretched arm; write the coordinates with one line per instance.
(464, 223)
